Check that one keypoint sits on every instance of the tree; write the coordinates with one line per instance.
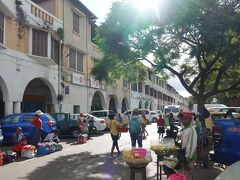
(198, 41)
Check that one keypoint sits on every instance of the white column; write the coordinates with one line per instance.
(8, 107)
(55, 107)
(17, 107)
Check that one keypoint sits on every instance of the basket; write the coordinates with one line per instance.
(139, 153)
(164, 147)
(122, 129)
(136, 157)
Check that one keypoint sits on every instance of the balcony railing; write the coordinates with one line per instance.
(37, 16)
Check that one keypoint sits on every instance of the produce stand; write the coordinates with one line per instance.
(162, 148)
(137, 159)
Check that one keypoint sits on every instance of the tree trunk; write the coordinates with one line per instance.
(200, 104)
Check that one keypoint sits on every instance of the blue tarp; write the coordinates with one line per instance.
(228, 151)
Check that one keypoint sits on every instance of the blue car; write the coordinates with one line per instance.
(1, 136)
(23, 120)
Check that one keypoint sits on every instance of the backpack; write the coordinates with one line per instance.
(135, 126)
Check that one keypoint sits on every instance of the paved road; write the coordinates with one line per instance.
(89, 161)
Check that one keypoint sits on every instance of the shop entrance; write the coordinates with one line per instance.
(37, 96)
(113, 104)
(97, 101)
(124, 105)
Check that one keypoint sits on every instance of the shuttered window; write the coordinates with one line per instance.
(39, 43)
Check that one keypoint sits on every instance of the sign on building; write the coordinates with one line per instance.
(78, 79)
(94, 83)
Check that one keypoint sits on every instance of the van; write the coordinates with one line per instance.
(174, 109)
(209, 107)
(103, 114)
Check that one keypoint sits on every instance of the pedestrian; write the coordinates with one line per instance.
(113, 126)
(171, 120)
(37, 123)
(144, 123)
(135, 129)
(188, 143)
(160, 126)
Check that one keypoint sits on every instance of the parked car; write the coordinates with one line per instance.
(1, 136)
(154, 116)
(99, 123)
(103, 114)
(65, 124)
(23, 120)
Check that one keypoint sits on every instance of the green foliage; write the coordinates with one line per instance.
(196, 40)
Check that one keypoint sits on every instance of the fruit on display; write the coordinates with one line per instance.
(161, 149)
(130, 157)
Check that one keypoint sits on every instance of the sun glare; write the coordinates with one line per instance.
(143, 5)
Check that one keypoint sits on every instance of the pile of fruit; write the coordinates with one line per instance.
(130, 157)
(161, 149)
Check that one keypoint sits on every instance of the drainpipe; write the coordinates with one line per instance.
(87, 58)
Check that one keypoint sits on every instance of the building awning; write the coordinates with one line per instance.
(43, 60)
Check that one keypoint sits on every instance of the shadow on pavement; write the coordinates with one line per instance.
(82, 166)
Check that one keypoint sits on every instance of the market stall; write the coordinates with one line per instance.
(163, 148)
(137, 159)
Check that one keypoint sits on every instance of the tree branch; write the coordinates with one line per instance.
(180, 77)
(232, 87)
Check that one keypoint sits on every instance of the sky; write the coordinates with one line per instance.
(101, 8)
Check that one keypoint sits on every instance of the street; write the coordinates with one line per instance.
(88, 161)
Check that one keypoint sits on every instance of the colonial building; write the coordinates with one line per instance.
(29, 60)
(46, 56)
(154, 94)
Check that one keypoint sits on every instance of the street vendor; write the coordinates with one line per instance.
(52, 137)
(188, 143)
(82, 124)
(19, 140)
(18, 136)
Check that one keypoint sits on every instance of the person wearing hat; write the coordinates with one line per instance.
(37, 123)
(18, 136)
(188, 143)
(19, 141)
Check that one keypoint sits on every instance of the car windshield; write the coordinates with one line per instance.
(59, 117)
(175, 110)
(237, 110)
(167, 110)
(49, 117)
(99, 114)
